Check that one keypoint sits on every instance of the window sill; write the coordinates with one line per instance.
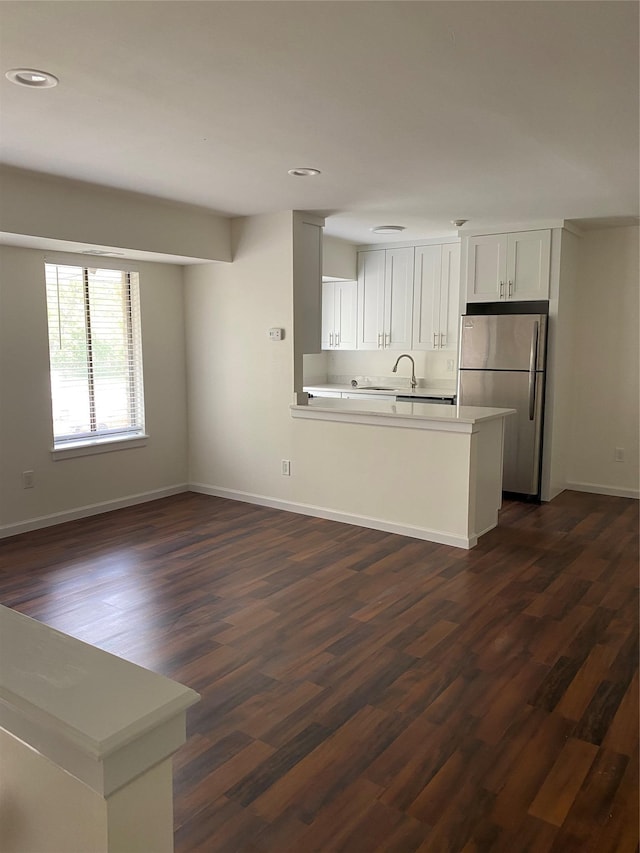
(100, 445)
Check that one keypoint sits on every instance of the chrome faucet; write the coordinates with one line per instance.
(413, 368)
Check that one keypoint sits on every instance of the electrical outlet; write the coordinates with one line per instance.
(286, 468)
(450, 364)
(619, 454)
(28, 480)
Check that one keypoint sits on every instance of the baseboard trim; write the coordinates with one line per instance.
(597, 489)
(426, 534)
(492, 526)
(88, 510)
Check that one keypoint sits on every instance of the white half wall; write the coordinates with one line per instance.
(605, 365)
(71, 488)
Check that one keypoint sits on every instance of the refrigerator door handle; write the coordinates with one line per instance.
(533, 360)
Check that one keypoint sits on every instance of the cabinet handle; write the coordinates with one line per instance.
(387, 338)
(510, 289)
(533, 363)
(337, 339)
(435, 340)
(379, 340)
(501, 289)
(441, 339)
(331, 337)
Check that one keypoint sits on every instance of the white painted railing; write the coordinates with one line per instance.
(86, 740)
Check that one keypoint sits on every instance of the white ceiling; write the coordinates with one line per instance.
(417, 113)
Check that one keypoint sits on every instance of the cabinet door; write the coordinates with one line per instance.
(328, 314)
(528, 263)
(426, 297)
(345, 303)
(371, 267)
(487, 268)
(398, 298)
(449, 297)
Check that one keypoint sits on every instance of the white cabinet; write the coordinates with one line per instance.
(371, 266)
(528, 265)
(436, 297)
(339, 301)
(385, 298)
(508, 266)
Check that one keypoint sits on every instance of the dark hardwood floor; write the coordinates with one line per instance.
(363, 691)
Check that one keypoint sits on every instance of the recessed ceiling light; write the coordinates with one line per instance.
(304, 172)
(388, 229)
(31, 77)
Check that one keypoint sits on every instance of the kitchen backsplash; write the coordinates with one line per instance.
(433, 369)
(314, 368)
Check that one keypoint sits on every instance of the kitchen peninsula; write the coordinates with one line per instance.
(429, 471)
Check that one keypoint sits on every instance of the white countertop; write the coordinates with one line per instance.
(429, 391)
(404, 413)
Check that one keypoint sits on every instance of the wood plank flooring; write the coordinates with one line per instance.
(362, 691)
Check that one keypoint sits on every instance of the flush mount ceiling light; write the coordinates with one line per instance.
(99, 252)
(32, 77)
(388, 229)
(458, 222)
(304, 172)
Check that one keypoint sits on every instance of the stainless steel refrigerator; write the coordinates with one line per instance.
(502, 363)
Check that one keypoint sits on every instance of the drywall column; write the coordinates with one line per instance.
(307, 291)
(86, 740)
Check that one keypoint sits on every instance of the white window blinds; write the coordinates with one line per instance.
(95, 353)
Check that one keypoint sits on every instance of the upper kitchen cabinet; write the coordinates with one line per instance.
(339, 300)
(385, 298)
(436, 297)
(508, 266)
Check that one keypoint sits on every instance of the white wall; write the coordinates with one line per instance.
(241, 382)
(339, 259)
(605, 363)
(26, 438)
(560, 382)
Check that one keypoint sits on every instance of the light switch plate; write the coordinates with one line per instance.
(276, 334)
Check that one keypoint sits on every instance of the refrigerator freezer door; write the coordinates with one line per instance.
(510, 390)
(502, 341)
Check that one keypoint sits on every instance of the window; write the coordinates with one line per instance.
(95, 355)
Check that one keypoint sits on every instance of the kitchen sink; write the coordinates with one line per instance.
(377, 388)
